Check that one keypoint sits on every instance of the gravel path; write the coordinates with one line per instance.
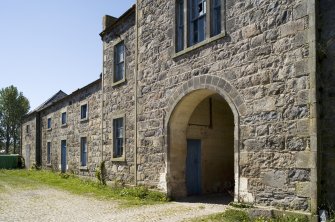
(47, 204)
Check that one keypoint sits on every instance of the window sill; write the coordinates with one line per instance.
(64, 125)
(84, 120)
(119, 82)
(49, 129)
(198, 45)
(119, 159)
(49, 165)
(83, 168)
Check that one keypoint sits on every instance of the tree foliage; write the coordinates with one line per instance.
(13, 106)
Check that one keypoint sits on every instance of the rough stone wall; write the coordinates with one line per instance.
(264, 58)
(119, 100)
(74, 130)
(29, 139)
(326, 53)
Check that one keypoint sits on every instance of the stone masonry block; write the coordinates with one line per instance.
(292, 27)
(250, 31)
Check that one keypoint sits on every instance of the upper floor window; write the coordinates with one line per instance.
(180, 25)
(84, 111)
(49, 123)
(216, 17)
(197, 26)
(119, 64)
(64, 118)
(203, 19)
(28, 129)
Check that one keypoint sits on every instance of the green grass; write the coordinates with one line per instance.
(32, 179)
(231, 215)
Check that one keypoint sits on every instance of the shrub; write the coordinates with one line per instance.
(101, 173)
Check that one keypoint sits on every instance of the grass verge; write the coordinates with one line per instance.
(231, 215)
(30, 179)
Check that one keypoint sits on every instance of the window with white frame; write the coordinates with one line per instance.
(49, 122)
(48, 152)
(84, 111)
(118, 137)
(63, 118)
(119, 64)
(203, 19)
(83, 151)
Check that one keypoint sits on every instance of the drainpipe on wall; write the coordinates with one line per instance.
(135, 79)
(102, 101)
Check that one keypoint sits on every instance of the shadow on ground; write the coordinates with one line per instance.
(221, 198)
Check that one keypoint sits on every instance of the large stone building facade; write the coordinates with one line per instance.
(202, 97)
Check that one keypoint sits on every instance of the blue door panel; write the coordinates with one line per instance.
(193, 167)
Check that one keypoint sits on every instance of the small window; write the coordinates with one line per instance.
(83, 151)
(28, 129)
(49, 153)
(118, 137)
(216, 17)
(180, 25)
(119, 71)
(49, 123)
(83, 112)
(64, 118)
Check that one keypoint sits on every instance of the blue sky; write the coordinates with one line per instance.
(52, 45)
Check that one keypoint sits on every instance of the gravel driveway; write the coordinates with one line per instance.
(48, 204)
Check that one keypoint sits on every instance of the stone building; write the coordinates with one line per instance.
(205, 96)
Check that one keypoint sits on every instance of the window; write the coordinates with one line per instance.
(204, 20)
(64, 118)
(49, 123)
(28, 129)
(197, 21)
(118, 137)
(216, 17)
(48, 152)
(83, 112)
(119, 70)
(83, 151)
(180, 25)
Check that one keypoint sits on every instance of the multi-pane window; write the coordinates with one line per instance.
(119, 71)
(48, 152)
(118, 134)
(83, 151)
(64, 118)
(49, 123)
(197, 27)
(180, 25)
(204, 20)
(83, 112)
(216, 17)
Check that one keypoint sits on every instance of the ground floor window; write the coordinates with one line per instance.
(118, 137)
(49, 153)
(83, 151)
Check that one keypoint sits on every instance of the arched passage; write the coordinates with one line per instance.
(202, 145)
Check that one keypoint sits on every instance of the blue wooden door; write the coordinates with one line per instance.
(193, 167)
(63, 156)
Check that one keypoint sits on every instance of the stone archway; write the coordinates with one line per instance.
(186, 108)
